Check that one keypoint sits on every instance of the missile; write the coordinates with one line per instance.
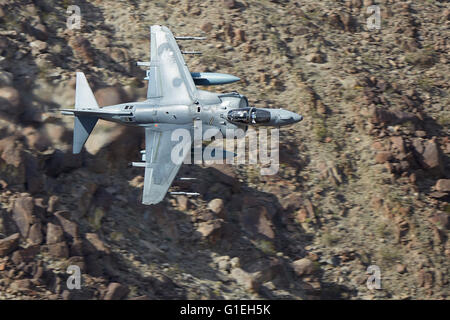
(210, 78)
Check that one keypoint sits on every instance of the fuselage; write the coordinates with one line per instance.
(222, 112)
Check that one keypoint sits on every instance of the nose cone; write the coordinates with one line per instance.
(297, 117)
(289, 117)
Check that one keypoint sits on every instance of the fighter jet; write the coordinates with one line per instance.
(173, 101)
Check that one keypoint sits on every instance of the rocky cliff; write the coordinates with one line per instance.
(363, 180)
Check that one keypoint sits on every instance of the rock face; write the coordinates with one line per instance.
(116, 291)
(23, 214)
(363, 180)
(428, 154)
(9, 244)
(54, 233)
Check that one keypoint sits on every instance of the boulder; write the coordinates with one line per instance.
(428, 154)
(303, 267)
(70, 228)
(257, 221)
(54, 233)
(9, 100)
(443, 185)
(25, 255)
(211, 230)
(245, 279)
(116, 291)
(229, 4)
(22, 214)
(383, 156)
(9, 244)
(58, 250)
(35, 235)
(12, 161)
(216, 206)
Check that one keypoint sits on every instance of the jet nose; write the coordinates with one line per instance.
(289, 116)
(297, 117)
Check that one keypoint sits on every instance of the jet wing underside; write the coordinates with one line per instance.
(160, 167)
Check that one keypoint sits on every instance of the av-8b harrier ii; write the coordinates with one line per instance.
(173, 101)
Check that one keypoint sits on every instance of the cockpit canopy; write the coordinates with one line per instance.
(248, 116)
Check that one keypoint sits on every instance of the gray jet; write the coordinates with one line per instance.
(173, 101)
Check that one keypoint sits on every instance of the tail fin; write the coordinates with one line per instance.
(84, 98)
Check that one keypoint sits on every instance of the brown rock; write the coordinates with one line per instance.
(229, 4)
(216, 206)
(116, 291)
(239, 36)
(302, 215)
(82, 48)
(6, 79)
(316, 57)
(21, 285)
(211, 230)
(183, 203)
(35, 234)
(52, 203)
(101, 41)
(22, 214)
(38, 46)
(443, 185)
(431, 155)
(109, 96)
(377, 146)
(95, 242)
(387, 117)
(12, 163)
(383, 156)
(303, 267)
(9, 244)
(25, 255)
(55, 233)
(70, 228)
(348, 22)
(441, 220)
(257, 221)
(207, 27)
(245, 279)
(401, 268)
(10, 100)
(58, 250)
(398, 143)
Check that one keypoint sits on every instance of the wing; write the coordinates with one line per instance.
(160, 166)
(169, 78)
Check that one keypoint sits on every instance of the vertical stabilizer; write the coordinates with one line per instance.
(83, 125)
(84, 98)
